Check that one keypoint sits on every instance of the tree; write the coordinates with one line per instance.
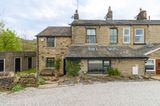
(8, 40)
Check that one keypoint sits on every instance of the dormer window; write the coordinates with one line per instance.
(91, 36)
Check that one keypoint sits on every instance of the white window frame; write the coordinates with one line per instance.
(154, 60)
(3, 65)
(90, 35)
(110, 35)
(139, 35)
(127, 28)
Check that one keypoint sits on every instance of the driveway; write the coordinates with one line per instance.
(146, 93)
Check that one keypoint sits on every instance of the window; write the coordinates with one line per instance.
(50, 42)
(150, 65)
(98, 66)
(91, 36)
(50, 62)
(113, 36)
(126, 35)
(139, 35)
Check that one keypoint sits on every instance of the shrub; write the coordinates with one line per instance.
(113, 72)
(57, 64)
(72, 67)
(40, 81)
(17, 87)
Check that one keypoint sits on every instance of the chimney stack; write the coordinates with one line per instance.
(142, 15)
(109, 14)
(76, 15)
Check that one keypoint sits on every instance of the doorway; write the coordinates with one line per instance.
(29, 62)
(158, 66)
(17, 64)
(2, 65)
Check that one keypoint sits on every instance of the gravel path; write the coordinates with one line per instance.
(145, 93)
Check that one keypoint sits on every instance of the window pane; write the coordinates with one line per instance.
(149, 65)
(98, 66)
(91, 36)
(126, 32)
(139, 36)
(139, 39)
(126, 39)
(91, 39)
(95, 66)
(91, 32)
(50, 62)
(139, 32)
(50, 42)
(113, 36)
(126, 35)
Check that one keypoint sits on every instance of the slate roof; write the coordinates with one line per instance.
(103, 51)
(115, 22)
(146, 48)
(55, 31)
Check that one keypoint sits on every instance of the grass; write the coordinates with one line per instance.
(17, 88)
(30, 71)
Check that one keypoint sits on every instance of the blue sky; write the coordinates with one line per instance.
(29, 17)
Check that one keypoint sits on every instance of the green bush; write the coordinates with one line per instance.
(29, 71)
(17, 87)
(113, 72)
(72, 67)
(40, 81)
(57, 64)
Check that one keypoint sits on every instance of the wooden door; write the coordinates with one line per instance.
(158, 66)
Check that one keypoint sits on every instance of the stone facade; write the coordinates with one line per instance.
(9, 60)
(125, 70)
(84, 66)
(77, 37)
(151, 34)
(59, 51)
(125, 65)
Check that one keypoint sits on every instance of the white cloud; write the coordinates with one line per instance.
(122, 9)
(29, 17)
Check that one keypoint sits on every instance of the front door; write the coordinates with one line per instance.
(158, 66)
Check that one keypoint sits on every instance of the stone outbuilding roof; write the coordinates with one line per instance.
(103, 52)
(115, 22)
(55, 31)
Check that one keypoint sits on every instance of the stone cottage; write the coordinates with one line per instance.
(17, 61)
(132, 46)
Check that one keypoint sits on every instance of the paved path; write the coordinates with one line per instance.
(145, 93)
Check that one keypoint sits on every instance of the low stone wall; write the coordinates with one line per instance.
(29, 80)
(6, 80)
